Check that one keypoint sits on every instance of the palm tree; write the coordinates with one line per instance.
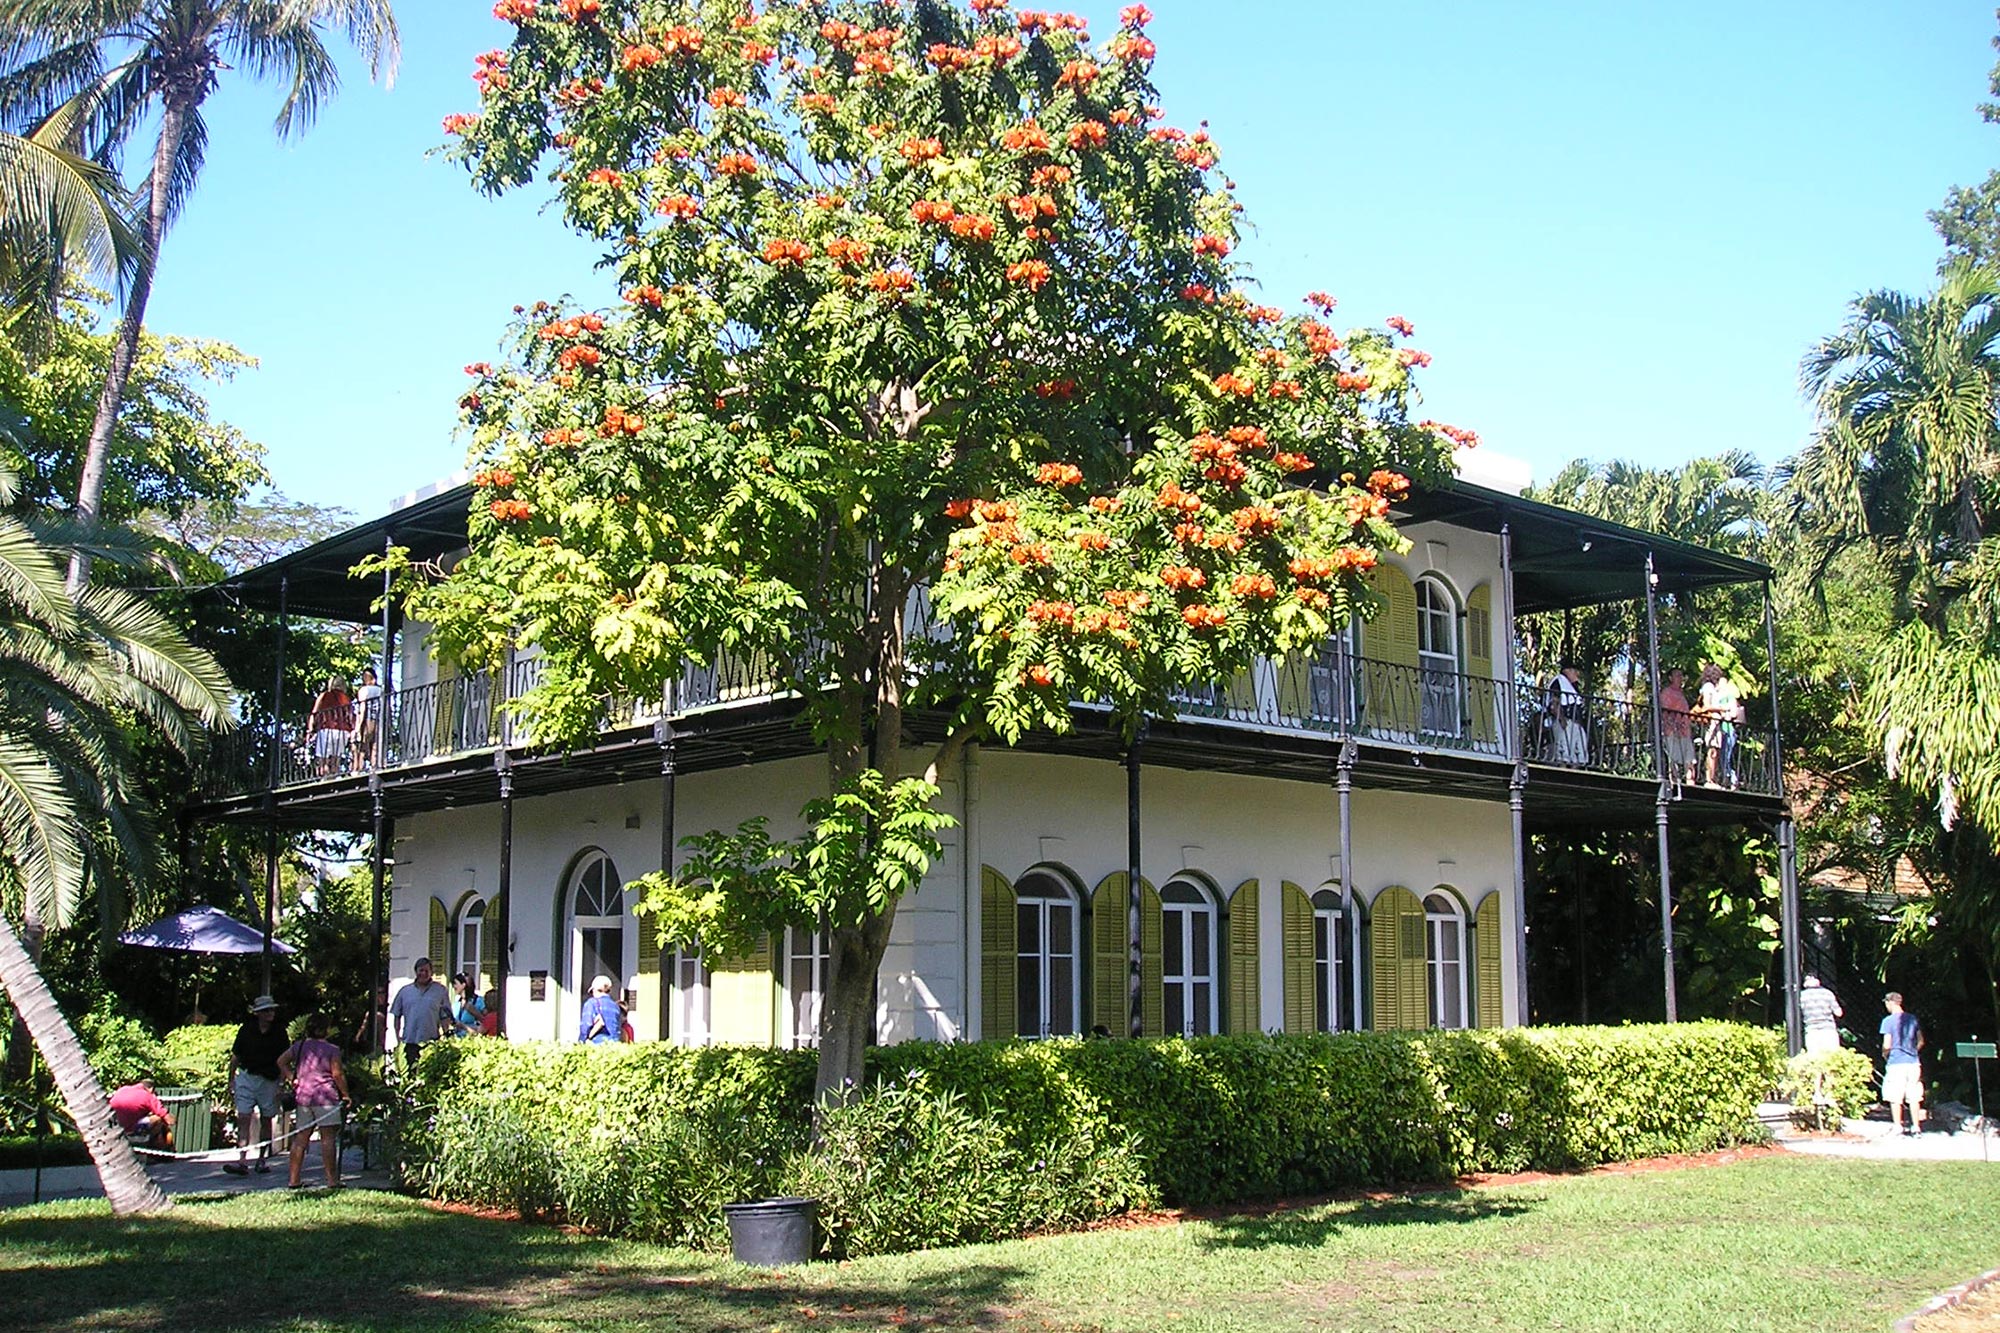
(60, 213)
(131, 59)
(1906, 464)
(79, 672)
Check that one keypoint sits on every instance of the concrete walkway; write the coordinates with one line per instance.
(1878, 1139)
(189, 1175)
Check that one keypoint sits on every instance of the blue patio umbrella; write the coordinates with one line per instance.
(202, 930)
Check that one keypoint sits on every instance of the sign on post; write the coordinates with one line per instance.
(1975, 1051)
(1978, 1050)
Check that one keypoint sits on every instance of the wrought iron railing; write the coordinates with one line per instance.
(1328, 693)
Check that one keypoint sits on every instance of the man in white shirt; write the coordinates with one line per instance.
(1569, 712)
(421, 1013)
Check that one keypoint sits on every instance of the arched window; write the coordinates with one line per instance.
(805, 984)
(1330, 962)
(1444, 960)
(1047, 983)
(1437, 656)
(1187, 958)
(470, 957)
(687, 1006)
(596, 924)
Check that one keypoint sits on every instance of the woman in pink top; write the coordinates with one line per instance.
(312, 1066)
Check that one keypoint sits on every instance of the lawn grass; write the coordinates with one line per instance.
(1779, 1243)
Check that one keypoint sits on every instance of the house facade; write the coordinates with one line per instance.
(1330, 842)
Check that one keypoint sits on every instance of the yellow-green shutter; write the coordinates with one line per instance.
(1482, 697)
(1243, 1014)
(743, 997)
(1109, 959)
(1240, 695)
(1391, 640)
(646, 1004)
(1487, 978)
(1152, 972)
(1396, 949)
(999, 947)
(1301, 1015)
(440, 938)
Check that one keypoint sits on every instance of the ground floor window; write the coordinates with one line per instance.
(471, 927)
(1047, 989)
(1444, 957)
(596, 925)
(1187, 958)
(1330, 962)
(806, 953)
(687, 1003)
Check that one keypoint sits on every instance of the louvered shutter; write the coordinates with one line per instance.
(1390, 641)
(1300, 1014)
(441, 949)
(1110, 958)
(1483, 697)
(1000, 1014)
(645, 1014)
(1152, 973)
(1243, 1015)
(1396, 949)
(743, 997)
(1487, 951)
(1241, 695)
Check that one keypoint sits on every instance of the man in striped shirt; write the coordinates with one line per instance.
(1820, 1010)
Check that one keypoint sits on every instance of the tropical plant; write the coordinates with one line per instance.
(930, 385)
(79, 675)
(127, 59)
(61, 215)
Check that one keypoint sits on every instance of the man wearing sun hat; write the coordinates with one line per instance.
(253, 1081)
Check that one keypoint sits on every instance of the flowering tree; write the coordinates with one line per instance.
(913, 299)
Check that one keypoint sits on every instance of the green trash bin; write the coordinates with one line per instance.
(189, 1109)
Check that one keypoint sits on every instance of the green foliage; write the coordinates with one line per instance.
(197, 1056)
(957, 1142)
(121, 1048)
(1835, 1084)
(906, 1168)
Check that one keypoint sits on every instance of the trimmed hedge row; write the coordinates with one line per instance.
(653, 1139)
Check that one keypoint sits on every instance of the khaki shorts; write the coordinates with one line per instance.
(310, 1117)
(256, 1094)
(1903, 1083)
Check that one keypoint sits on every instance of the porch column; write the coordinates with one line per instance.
(1517, 801)
(270, 913)
(1660, 802)
(504, 895)
(378, 968)
(1777, 732)
(1135, 984)
(276, 776)
(389, 618)
(1344, 784)
(1792, 923)
(1660, 769)
(1509, 706)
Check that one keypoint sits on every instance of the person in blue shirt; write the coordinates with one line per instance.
(1903, 1070)
(602, 1018)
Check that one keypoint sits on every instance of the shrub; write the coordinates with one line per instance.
(197, 1056)
(1828, 1084)
(121, 1049)
(963, 1142)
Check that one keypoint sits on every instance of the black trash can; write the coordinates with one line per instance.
(771, 1233)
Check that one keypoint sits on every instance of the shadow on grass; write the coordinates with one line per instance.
(1309, 1227)
(379, 1262)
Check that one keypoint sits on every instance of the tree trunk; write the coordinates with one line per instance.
(125, 1182)
(96, 457)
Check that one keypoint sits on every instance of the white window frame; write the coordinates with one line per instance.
(802, 1010)
(1330, 961)
(1438, 609)
(470, 930)
(689, 1017)
(1060, 896)
(576, 984)
(1190, 920)
(1445, 978)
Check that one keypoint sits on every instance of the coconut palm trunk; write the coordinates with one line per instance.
(90, 486)
(125, 1182)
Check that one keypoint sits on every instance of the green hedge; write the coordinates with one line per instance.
(653, 1139)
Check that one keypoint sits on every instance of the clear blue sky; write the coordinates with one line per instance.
(1616, 227)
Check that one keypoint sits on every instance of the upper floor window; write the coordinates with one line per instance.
(1437, 656)
(1330, 962)
(1444, 961)
(1187, 958)
(1047, 980)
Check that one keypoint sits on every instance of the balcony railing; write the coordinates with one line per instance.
(1422, 708)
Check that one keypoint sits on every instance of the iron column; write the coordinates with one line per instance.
(1344, 778)
(504, 893)
(1135, 983)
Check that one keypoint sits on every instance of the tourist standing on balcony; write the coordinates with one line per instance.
(331, 727)
(1569, 712)
(1723, 708)
(367, 719)
(1677, 728)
